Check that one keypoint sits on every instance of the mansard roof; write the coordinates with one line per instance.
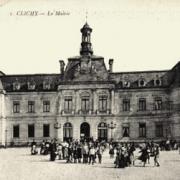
(38, 79)
(1, 86)
(169, 78)
(135, 76)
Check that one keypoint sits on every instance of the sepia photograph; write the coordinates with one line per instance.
(89, 89)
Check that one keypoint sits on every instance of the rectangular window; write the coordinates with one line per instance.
(46, 130)
(16, 106)
(31, 106)
(142, 130)
(125, 130)
(16, 131)
(159, 130)
(31, 130)
(126, 105)
(46, 106)
(142, 104)
(85, 104)
(102, 103)
(158, 104)
(68, 104)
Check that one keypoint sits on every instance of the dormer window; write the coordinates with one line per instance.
(126, 84)
(157, 82)
(141, 83)
(31, 85)
(16, 86)
(46, 85)
(120, 83)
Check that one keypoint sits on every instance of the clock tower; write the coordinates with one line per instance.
(86, 46)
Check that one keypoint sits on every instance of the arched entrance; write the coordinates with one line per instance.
(85, 131)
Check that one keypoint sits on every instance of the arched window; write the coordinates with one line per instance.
(67, 132)
(102, 131)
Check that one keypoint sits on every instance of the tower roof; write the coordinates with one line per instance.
(86, 47)
(86, 27)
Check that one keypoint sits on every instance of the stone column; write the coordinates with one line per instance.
(60, 102)
(92, 102)
(95, 101)
(78, 102)
(59, 130)
(94, 129)
(112, 108)
(76, 128)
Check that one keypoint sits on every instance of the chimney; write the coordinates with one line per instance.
(62, 64)
(111, 65)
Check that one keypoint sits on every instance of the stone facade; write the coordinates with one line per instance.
(88, 100)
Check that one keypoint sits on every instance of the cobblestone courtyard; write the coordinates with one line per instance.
(18, 164)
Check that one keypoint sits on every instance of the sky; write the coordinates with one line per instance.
(139, 35)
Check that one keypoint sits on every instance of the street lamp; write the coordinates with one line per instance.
(112, 126)
(57, 125)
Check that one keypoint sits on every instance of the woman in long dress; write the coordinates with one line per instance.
(144, 155)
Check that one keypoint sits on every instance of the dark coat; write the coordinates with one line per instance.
(144, 155)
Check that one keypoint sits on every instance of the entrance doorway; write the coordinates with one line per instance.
(85, 131)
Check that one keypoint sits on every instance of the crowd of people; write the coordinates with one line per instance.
(168, 145)
(73, 152)
(90, 152)
(125, 154)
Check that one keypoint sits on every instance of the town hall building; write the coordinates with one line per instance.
(88, 100)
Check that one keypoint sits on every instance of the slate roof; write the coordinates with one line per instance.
(38, 79)
(169, 78)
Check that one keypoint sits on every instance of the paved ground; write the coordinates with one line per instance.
(18, 164)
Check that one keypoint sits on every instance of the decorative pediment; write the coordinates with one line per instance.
(86, 68)
(84, 94)
(103, 93)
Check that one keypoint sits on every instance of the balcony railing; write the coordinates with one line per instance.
(164, 107)
(85, 111)
(151, 108)
(68, 111)
(106, 111)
